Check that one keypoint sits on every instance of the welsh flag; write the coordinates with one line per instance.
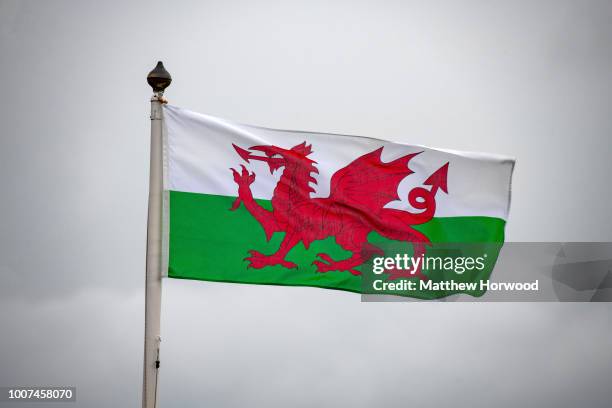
(254, 205)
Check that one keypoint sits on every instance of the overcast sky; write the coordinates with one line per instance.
(529, 79)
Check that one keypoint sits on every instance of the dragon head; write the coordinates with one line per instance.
(277, 157)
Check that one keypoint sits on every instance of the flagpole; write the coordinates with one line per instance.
(159, 79)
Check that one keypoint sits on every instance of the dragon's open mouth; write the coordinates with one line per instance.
(272, 156)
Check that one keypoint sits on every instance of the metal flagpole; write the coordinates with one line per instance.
(159, 79)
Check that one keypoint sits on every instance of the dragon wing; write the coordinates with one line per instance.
(369, 184)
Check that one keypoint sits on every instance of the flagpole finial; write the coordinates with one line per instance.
(159, 79)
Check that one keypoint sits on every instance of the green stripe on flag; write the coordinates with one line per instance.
(209, 242)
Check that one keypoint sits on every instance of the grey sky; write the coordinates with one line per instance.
(531, 79)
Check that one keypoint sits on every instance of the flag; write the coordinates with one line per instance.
(248, 204)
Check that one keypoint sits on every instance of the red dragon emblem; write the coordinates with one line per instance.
(354, 208)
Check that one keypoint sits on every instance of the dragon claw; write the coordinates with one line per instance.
(328, 265)
(258, 260)
(243, 178)
(321, 266)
